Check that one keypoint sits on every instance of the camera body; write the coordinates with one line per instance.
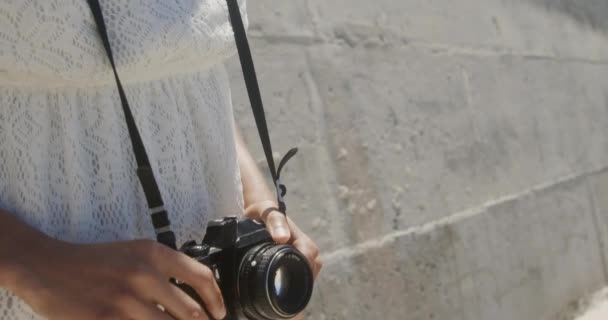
(259, 279)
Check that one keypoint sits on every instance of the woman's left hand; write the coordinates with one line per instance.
(284, 231)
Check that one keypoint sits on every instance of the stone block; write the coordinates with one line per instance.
(280, 19)
(389, 128)
(520, 27)
(468, 131)
(598, 183)
(522, 258)
(537, 119)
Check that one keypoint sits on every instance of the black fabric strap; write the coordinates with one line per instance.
(160, 217)
(253, 89)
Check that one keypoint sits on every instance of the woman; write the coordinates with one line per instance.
(72, 212)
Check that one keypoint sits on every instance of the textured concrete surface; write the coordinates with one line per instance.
(454, 155)
(594, 307)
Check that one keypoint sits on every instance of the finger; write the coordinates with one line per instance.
(309, 254)
(211, 295)
(310, 250)
(277, 225)
(307, 247)
(181, 306)
(296, 233)
(141, 310)
(318, 265)
(300, 316)
(174, 300)
(178, 265)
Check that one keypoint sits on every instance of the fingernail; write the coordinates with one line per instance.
(195, 314)
(222, 314)
(281, 232)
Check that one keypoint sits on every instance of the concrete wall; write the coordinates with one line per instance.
(454, 154)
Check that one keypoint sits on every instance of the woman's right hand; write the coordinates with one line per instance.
(121, 280)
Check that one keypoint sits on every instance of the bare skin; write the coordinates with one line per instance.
(259, 202)
(120, 280)
(129, 280)
(259, 205)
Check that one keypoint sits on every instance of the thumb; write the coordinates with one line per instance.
(275, 222)
(277, 226)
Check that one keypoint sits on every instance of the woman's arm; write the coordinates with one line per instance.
(16, 240)
(254, 185)
(122, 280)
(260, 204)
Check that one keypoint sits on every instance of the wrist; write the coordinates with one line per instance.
(261, 195)
(18, 257)
(256, 209)
(8, 274)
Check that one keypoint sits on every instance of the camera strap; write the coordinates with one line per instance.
(160, 217)
(255, 98)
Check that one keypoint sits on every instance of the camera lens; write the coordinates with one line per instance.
(274, 282)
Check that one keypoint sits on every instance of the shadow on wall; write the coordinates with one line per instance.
(592, 13)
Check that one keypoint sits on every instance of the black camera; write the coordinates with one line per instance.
(259, 279)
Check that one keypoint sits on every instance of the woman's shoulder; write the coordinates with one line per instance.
(57, 38)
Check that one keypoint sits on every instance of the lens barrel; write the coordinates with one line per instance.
(274, 282)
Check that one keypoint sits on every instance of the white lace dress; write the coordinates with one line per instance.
(66, 164)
